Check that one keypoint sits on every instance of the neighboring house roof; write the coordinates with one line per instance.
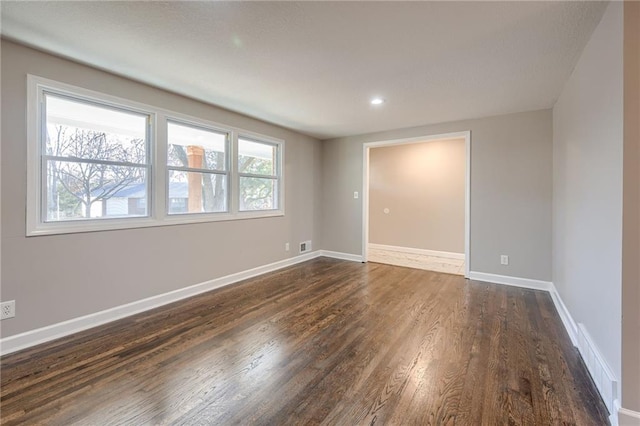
(139, 190)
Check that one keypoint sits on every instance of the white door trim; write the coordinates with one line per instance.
(467, 202)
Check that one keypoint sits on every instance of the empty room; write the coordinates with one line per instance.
(317, 212)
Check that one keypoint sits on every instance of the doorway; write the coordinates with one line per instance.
(416, 202)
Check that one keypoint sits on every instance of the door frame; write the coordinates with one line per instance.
(467, 192)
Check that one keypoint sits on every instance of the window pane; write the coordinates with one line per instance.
(77, 190)
(196, 148)
(256, 158)
(258, 193)
(191, 192)
(81, 130)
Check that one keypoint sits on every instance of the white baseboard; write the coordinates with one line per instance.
(600, 372)
(565, 316)
(613, 415)
(512, 281)
(339, 255)
(627, 418)
(429, 260)
(445, 254)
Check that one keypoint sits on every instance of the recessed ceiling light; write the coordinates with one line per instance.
(377, 101)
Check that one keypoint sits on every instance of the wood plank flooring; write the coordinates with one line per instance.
(324, 342)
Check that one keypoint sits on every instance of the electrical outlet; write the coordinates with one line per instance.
(286, 246)
(504, 259)
(356, 195)
(7, 309)
(305, 246)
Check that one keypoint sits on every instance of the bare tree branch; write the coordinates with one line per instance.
(90, 182)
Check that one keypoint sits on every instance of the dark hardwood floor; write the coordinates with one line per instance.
(323, 342)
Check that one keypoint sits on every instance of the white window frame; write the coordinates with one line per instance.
(228, 142)
(157, 178)
(36, 185)
(277, 176)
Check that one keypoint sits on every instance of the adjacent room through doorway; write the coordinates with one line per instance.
(416, 196)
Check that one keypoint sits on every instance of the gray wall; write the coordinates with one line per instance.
(587, 188)
(510, 191)
(55, 278)
(422, 185)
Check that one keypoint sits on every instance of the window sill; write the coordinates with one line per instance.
(101, 225)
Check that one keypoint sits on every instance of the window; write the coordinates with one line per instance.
(259, 177)
(197, 164)
(94, 160)
(97, 162)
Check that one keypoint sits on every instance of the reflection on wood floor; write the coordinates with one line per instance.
(325, 341)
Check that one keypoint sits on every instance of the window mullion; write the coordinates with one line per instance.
(157, 142)
(94, 161)
(196, 170)
(235, 179)
(251, 175)
(44, 188)
(42, 137)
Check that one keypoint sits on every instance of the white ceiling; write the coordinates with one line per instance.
(314, 66)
